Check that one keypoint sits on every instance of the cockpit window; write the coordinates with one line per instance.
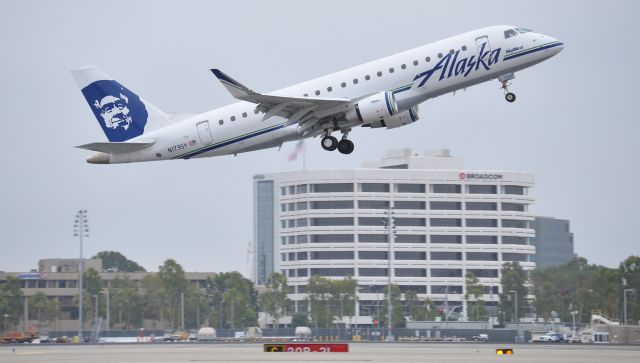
(510, 33)
(523, 30)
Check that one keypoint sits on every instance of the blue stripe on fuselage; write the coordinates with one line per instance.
(508, 57)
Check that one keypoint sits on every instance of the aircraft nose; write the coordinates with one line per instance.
(552, 45)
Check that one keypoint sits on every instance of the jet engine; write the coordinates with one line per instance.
(380, 110)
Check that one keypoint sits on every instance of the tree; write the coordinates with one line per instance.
(126, 302)
(318, 299)
(474, 292)
(116, 260)
(397, 317)
(343, 293)
(11, 300)
(92, 286)
(154, 298)
(419, 310)
(42, 308)
(513, 279)
(175, 284)
(299, 319)
(274, 301)
(233, 301)
(630, 271)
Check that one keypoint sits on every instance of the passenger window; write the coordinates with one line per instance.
(355, 81)
(256, 110)
(451, 51)
(379, 74)
(415, 62)
(343, 85)
(391, 70)
(317, 92)
(329, 89)
(510, 33)
(464, 47)
(439, 55)
(244, 114)
(220, 122)
(404, 66)
(428, 59)
(233, 118)
(367, 77)
(306, 95)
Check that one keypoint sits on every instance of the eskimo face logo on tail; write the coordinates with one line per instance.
(452, 66)
(120, 112)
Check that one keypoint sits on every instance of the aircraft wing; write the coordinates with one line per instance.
(116, 147)
(306, 111)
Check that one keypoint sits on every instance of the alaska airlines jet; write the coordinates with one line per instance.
(381, 93)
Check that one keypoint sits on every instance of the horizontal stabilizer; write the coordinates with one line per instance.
(116, 147)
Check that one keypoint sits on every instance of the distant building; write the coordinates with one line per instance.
(553, 241)
(449, 221)
(58, 279)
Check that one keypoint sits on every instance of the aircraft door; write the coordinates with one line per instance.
(204, 132)
(485, 54)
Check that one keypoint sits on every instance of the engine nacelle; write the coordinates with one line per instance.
(380, 110)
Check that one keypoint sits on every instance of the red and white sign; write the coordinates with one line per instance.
(315, 347)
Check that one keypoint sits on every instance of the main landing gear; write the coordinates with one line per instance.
(504, 79)
(344, 146)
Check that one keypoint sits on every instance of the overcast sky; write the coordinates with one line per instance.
(574, 126)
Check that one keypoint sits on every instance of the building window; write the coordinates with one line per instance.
(410, 222)
(446, 238)
(374, 187)
(446, 188)
(482, 256)
(482, 189)
(486, 206)
(331, 238)
(411, 238)
(372, 221)
(332, 204)
(411, 272)
(446, 256)
(446, 222)
(338, 272)
(514, 207)
(480, 239)
(331, 255)
(301, 205)
(410, 188)
(332, 188)
(446, 272)
(372, 272)
(373, 204)
(303, 272)
(514, 223)
(301, 238)
(410, 204)
(373, 238)
(301, 222)
(483, 272)
(418, 289)
(514, 190)
(490, 223)
(515, 257)
(411, 255)
(332, 221)
(445, 205)
(373, 255)
(514, 240)
(301, 189)
(446, 289)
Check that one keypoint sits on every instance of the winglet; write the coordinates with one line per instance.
(234, 87)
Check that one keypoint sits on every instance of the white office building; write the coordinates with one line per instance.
(448, 221)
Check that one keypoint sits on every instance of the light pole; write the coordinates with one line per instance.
(6, 316)
(390, 227)
(516, 304)
(80, 230)
(573, 328)
(625, 304)
(182, 311)
(96, 297)
(106, 292)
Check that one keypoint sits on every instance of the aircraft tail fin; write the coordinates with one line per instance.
(121, 113)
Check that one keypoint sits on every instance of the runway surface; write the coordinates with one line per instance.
(359, 352)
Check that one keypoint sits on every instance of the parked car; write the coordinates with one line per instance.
(206, 334)
(481, 337)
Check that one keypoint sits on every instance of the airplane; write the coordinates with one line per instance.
(384, 93)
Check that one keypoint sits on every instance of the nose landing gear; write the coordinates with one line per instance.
(504, 79)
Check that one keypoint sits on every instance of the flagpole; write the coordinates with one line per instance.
(304, 157)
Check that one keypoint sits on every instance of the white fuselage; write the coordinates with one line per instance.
(443, 66)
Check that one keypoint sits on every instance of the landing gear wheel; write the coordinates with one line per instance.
(345, 146)
(329, 143)
(510, 97)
